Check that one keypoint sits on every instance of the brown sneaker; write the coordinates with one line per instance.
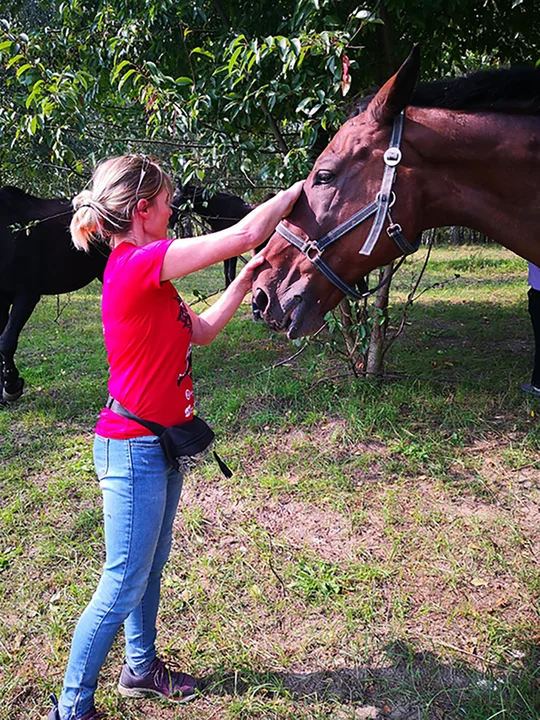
(159, 681)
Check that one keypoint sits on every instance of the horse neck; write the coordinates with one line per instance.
(477, 170)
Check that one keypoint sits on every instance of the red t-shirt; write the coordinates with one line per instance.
(147, 331)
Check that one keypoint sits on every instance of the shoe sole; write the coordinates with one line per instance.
(141, 693)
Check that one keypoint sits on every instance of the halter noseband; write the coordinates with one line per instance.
(380, 207)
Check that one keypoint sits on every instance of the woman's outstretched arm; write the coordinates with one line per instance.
(187, 255)
(209, 323)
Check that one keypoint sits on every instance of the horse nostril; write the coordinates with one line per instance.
(261, 299)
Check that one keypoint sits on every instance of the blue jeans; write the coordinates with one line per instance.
(140, 497)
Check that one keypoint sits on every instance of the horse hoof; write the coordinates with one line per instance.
(15, 392)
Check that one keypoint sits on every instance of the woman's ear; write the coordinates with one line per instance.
(142, 205)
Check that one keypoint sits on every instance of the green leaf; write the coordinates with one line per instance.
(119, 69)
(303, 103)
(23, 69)
(181, 81)
(125, 77)
(203, 52)
(14, 60)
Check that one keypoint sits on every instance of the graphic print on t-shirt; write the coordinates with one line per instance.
(185, 319)
(183, 315)
(188, 366)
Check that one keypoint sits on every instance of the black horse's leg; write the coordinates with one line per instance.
(5, 303)
(23, 306)
(229, 269)
(257, 314)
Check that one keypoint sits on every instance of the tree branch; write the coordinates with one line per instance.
(274, 128)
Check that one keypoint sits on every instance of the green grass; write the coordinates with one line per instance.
(376, 548)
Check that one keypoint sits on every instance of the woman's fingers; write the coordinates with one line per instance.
(291, 195)
(253, 263)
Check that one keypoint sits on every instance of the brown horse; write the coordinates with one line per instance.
(453, 152)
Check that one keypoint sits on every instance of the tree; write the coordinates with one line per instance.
(236, 90)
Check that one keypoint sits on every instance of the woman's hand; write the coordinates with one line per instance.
(245, 277)
(261, 222)
(289, 197)
(187, 255)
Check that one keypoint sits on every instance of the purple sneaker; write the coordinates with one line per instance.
(159, 681)
(90, 715)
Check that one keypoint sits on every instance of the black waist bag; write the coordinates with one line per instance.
(184, 445)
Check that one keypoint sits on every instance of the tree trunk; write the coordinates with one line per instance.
(375, 353)
(378, 334)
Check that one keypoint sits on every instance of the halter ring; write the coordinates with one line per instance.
(392, 198)
(392, 229)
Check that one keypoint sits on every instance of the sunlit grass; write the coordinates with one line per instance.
(376, 548)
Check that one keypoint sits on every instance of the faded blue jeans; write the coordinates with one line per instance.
(140, 497)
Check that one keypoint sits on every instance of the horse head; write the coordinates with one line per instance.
(309, 266)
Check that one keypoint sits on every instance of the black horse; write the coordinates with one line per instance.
(219, 210)
(37, 258)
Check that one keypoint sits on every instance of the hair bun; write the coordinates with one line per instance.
(83, 199)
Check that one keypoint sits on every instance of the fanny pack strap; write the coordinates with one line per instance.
(156, 429)
(114, 405)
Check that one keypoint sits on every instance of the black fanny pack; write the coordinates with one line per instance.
(184, 445)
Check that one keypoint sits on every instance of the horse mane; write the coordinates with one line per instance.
(502, 90)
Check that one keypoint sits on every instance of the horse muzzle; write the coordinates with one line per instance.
(288, 309)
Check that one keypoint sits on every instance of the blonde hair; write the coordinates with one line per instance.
(117, 186)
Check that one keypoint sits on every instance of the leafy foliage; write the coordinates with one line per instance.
(219, 89)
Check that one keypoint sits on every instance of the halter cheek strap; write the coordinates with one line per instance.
(380, 207)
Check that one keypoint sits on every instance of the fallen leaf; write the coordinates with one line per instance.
(478, 582)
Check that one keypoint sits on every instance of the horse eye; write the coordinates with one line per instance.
(323, 177)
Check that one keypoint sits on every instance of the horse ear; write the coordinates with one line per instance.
(395, 94)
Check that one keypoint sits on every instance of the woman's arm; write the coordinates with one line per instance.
(187, 255)
(209, 323)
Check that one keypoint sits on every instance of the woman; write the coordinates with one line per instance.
(148, 334)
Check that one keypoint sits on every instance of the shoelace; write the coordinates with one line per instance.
(165, 677)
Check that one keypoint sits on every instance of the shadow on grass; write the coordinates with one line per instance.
(402, 684)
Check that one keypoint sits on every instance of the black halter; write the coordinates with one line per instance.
(380, 207)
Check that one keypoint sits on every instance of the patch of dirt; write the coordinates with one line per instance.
(300, 525)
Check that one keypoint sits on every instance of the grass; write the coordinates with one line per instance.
(375, 553)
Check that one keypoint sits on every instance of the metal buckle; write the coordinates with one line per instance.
(312, 247)
(392, 156)
(393, 229)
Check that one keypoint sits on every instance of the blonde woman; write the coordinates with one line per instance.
(148, 333)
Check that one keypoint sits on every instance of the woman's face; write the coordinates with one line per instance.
(159, 212)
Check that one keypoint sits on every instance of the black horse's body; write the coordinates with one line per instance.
(37, 258)
(220, 210)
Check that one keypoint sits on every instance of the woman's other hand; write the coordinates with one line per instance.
(245, 277)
